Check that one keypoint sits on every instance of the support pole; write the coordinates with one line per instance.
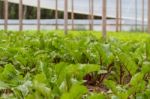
(66, 16)
(148, 16)
(20, 16)
(104, 32)
(120, 15)
(38, 14)
(5, 15)
(56, 14)
(72, 14)
(143, 15)
(117, 15)
(135, 15)
(91, 16)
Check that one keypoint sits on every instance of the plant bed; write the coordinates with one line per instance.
(79, 65)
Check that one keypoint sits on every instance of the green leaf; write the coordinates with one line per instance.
(42, 88)
(40, 78)
(112, 85)
(8, 73)
(76, 92)
(136, 79)
(97, 96)
(128, 62)
(66, 96)
(61, 72)
(89, 68)
(146, 67)
(24, 88)
(3, 85)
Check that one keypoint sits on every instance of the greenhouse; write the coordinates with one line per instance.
(74, 49)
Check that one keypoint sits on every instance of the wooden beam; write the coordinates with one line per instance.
(66, 16)
(72, 14)
(20, 15)
(38, 14)
(117, 15)
(148, 16)
(5, 15)
(56, 14)
(104, 32)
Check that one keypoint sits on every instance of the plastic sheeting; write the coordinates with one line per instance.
(131, 9)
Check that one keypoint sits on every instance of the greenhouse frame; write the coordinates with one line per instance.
(131, 12)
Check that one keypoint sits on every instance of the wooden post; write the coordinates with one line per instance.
(56, 14)
(135, 15)
(143, 15)
(148, 16)
(38, 14)
(20, 15)
(120, 15)
(72, 14)
(5, 15)
(117, 15)
(104, 32)
(66, 16)
(91, 16)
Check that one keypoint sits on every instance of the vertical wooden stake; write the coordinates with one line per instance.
(148, 16)
(38, 14)
(56, 14)
(72, 14)
(120, 15)
(20, 15)
(104, 32)
(92, 16)
(5, 15)
(66, 16)
(135, 15)
(142, 15)
(117, 15)
(89, 16)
